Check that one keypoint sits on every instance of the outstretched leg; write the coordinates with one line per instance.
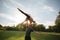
(23, 13)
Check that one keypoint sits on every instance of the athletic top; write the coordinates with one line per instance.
(28, 31)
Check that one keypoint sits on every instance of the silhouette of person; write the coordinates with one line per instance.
(28, 28)
(28, 33)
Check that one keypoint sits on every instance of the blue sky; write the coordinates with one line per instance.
(42, 11)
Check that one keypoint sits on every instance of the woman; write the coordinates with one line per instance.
(28, 17)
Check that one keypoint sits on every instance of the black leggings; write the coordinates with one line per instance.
(27, 38)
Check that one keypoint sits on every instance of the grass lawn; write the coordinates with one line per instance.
(19, 35)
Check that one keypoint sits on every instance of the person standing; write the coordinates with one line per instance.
(28, 28)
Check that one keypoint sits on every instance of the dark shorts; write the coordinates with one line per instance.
(27, 38)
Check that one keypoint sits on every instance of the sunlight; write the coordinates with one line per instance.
(17, 16)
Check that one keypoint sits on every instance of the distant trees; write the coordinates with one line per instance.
(10, 28)
(35, 26)
(50, 29)
(7, 28)
(40, 27)
(56, 27)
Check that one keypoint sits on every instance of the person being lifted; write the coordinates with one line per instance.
(28, 17)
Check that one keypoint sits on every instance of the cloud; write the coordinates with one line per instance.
(13, 14)
(7, 16)
(16, 4)
(49, 8)
(5, 5)
(6, 20)
(19, 5)
(49, 23)
(38, 9)
(2, 14)
(12, 4)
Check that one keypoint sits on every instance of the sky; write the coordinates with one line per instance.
(42, 11)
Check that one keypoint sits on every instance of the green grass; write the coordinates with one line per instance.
(19, 35)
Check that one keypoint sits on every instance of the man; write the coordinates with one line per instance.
(28, 28)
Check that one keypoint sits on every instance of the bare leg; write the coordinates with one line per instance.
(23, 13)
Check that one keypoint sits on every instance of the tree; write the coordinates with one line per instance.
(40, 27)
(21, 27)
(57, 22)
(50, 29)
(1, 26)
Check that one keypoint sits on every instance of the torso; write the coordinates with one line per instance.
(28, 31)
